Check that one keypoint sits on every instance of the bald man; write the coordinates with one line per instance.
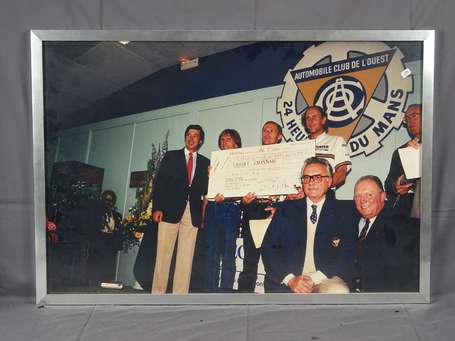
(387, 247)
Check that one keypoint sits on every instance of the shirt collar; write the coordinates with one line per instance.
(362, 223)
(318, 204)
(321, 136)
(372, 220)
(187, 152)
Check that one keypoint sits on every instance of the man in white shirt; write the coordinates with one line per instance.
(180, 187)
(309, 245)
(387, 247)
(329, 147)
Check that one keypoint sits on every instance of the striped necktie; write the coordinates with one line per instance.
(363, 233)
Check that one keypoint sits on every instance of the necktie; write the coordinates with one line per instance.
(189, 167)
(314, 214)
(363, 233)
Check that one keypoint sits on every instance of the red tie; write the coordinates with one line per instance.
(189, 167)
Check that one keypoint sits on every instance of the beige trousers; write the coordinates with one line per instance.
(167, 235)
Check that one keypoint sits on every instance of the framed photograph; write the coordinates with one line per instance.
(317, 146)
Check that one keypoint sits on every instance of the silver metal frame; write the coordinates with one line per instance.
(427, 37)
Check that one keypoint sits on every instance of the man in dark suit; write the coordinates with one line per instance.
(178, 194)
(387, 248)
(404, 194)
(254, 208)
(309, 246)
(105, 239)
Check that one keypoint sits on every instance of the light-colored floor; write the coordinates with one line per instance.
(21, 319)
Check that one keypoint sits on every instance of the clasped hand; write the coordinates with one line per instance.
(301, 284)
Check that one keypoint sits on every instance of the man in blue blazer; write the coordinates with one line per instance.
(178, 194)
(309, 245)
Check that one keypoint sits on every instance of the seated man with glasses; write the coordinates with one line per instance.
(401, 191)
(309, 245)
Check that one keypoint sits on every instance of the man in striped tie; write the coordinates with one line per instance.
(387, 246)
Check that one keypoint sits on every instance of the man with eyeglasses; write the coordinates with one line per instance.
(401, 191)
(309, 245)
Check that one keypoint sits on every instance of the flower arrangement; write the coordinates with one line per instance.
(51, 231)
(139, 216)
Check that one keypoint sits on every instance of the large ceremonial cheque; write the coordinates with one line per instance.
(263, 170)
(232, 167)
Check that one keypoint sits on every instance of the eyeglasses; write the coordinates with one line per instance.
(317, 178)
(411, 116)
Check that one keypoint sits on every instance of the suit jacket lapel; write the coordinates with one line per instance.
(182, 164)
(304, 220)
(324, 216)
(321, 227)
(302, 230)
(198, 167)
(375, 230)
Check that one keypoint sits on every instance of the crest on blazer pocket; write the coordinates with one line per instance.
(336, 241)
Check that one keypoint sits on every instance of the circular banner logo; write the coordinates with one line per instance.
(360, 85)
